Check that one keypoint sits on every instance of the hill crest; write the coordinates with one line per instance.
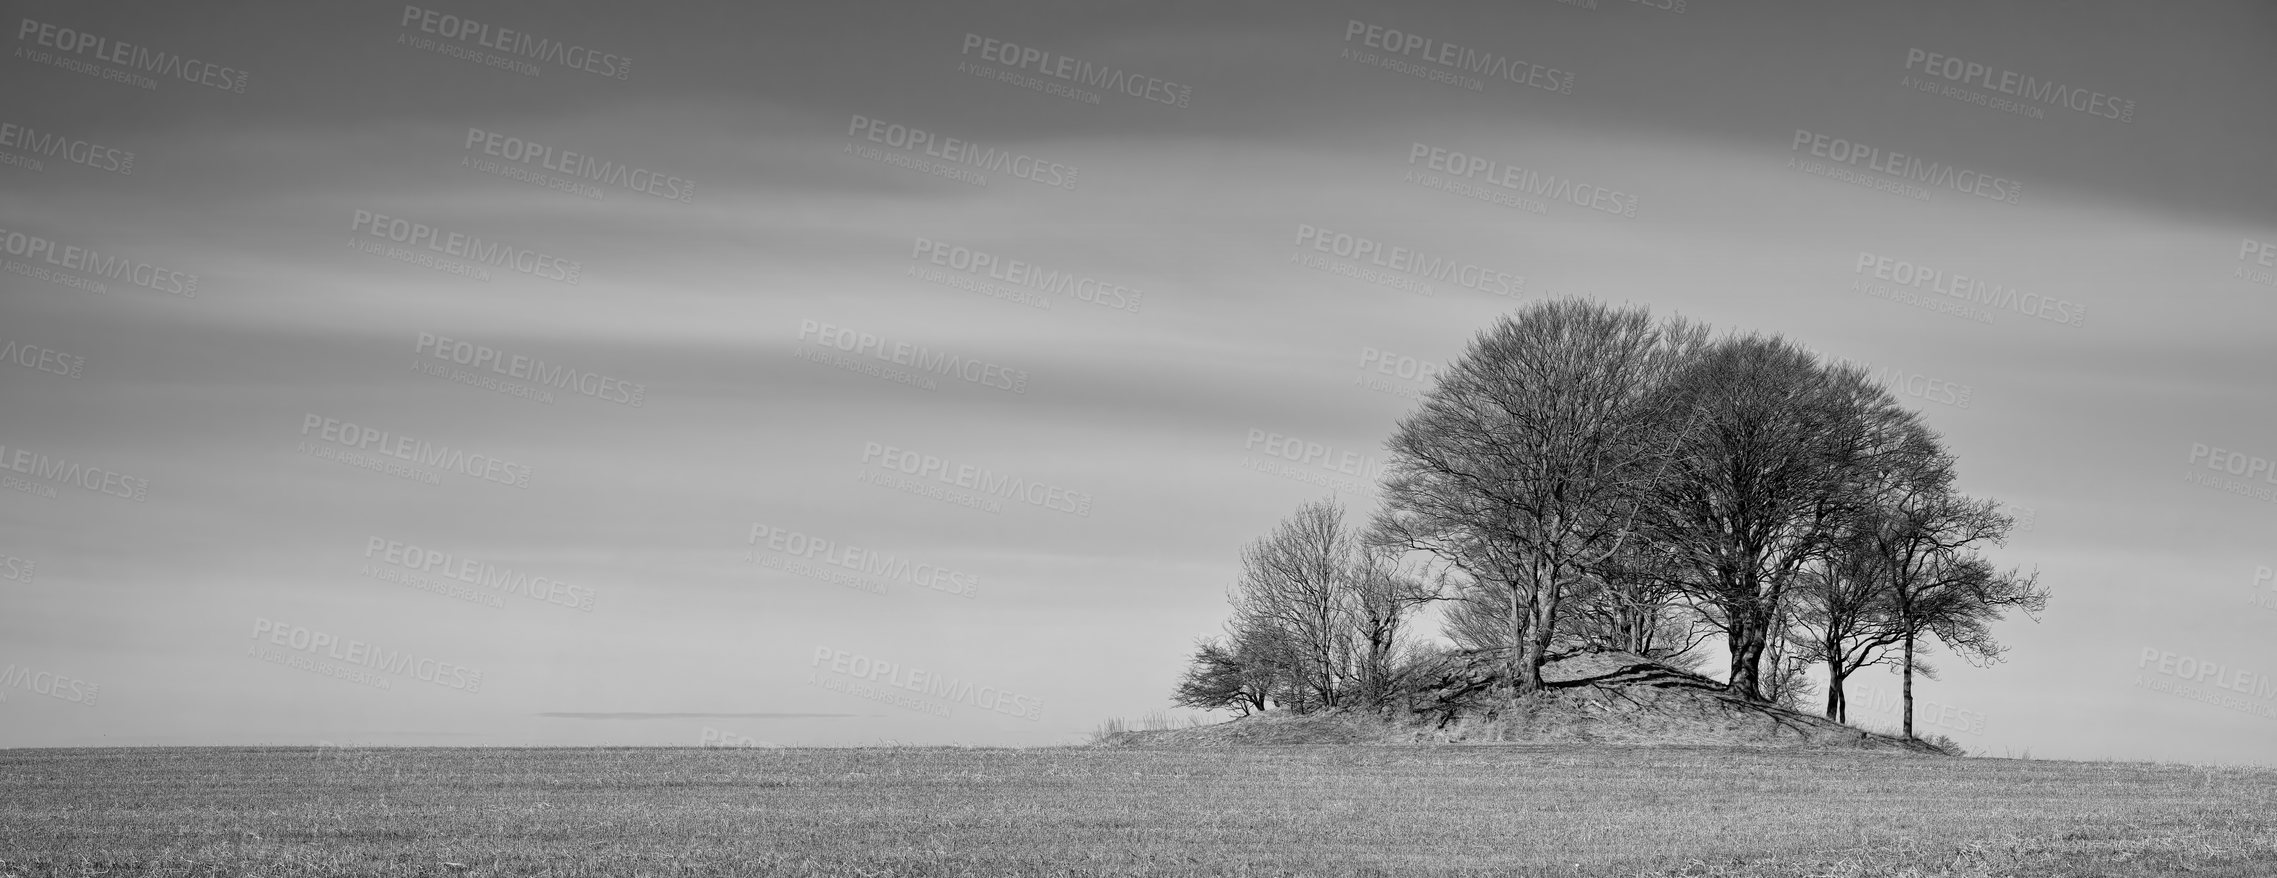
(1590, 698)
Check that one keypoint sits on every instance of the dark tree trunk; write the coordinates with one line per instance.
(1907, 694)
(1837, 705)
(1749, 633)
(1513, 663)
(1538, 637)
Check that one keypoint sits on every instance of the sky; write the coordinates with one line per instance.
(546, 374)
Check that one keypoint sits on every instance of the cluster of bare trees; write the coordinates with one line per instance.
(1319, 621)
(1588, 477)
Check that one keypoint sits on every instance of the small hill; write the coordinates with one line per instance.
(1591, 698)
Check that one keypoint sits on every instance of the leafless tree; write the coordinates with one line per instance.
(1522, 466)
(1848, 614)
(1385, 596)
(1942, 588)
(1630, 603)
(1778, 451)
(1295, 600)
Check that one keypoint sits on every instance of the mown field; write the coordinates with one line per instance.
(1318, 810)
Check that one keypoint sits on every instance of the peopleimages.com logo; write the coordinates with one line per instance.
(2194, 678)
(865, 565)
(536, 371)
(861, 668)
(1451, 59)
(581, 166)
(2009, 82)
(982, 482)
(135, 57)
(459, 245)
(92, 263)
(521, 44)
(475, 571)
(356, 657)
(66, 472)
(49, 683)
(1062, 67)
(37, 144)
(2236, 463)
(1972, 290)
(351, 435)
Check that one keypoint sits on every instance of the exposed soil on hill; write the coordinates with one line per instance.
(1592, 698)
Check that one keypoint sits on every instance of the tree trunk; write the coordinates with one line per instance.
(1748, 634)
(1538, 637)
(1907, 687)
(1837, 706)
(1511, 660)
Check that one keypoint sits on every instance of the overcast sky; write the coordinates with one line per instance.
(1256, 132)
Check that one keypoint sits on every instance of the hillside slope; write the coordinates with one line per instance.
(1598, 697)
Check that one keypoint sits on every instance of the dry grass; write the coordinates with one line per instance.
(1361, 810)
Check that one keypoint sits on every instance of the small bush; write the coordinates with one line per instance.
(1109, 729)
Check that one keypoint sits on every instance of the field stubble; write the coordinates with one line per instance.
(1410, 810)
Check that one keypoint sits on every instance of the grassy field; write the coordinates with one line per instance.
(1405, 811)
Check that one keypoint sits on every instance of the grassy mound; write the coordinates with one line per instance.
(1591, 698)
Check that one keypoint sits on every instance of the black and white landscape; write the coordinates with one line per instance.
(1554, 437)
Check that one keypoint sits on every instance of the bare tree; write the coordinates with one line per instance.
(1849, 617)
(1295, 600)
(1522, 465)
(1222, 677)
(1924, 541)
(1770, 468)
(1630, 603)
(1385, 595)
